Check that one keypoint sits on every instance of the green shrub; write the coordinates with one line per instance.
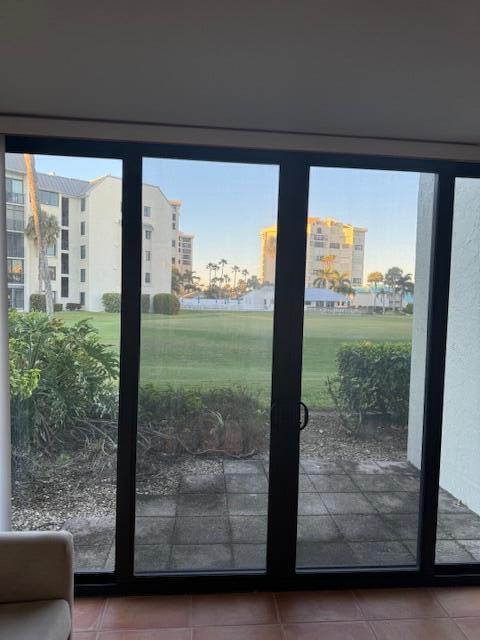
(38, 302)
(111, 302)
(58, 306)
(166, 303)
(409, 308)
(145, 303)
(372, 378)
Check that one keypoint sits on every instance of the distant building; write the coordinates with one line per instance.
(185, 252)
(85, 261)
(325, 237)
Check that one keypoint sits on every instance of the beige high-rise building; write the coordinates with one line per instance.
(344, 243)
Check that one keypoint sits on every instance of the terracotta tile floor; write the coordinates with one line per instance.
(377, 614)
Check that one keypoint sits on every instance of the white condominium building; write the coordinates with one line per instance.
(85, 260)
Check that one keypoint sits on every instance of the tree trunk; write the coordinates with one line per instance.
(43, 272)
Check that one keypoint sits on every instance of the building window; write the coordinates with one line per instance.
(147, 277)
(64, 288)
(147, 212)
(319, 244)
(173, 243)
(52, 250)
(174, 216)
(174, 226)
(15, 245)
(358, 247)
(83, 252)
(65, 208)
(334, 245)
(83, 274)
(53, 272)
(64, 260)
(15, 218)
(148, 256)
(14, 191)
(148, 235)
(64, 239)
(15, 270)
(82, 204)
(15, 297)
(82, 298)
(346, 246)
(48, 197)
(82, 228)
(173, 260)
(357, 281)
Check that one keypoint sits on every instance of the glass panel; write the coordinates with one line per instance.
(359, 482)
(458, 532)
(64, 373)
(205, 373)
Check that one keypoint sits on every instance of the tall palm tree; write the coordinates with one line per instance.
(404, 286)
(245, 273)
(222, 262)
(190, 280)
(43, 271)
(235, 270)
(253, 282)
(177, 280)
(210, 267)
(391, 278)
(375, 278)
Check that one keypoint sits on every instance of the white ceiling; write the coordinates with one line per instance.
(389, 68)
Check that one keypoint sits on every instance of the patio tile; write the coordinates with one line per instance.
(249, 528)
(317, 529)
(392, 466)
(202, 504)
(313, 466)
(91, 558)
(449, 504)
(208, 483)
(384, 604)
(366, 467)
(311, 504)
(405, 526)
(250, 504)
(91, 531)
(329, 631)
(151, 557)
(472, 546)
(315, 606)
(246, 483)
(363, 528)
(153, 530)
(407, 482)
(249, 556)
(459, 602)
(347, 503)
(459, 526)
(201, 557)
(201, 530)
(156, 505)
(382, 553)
(470, 627)
(243, 466)
(224, 609)
(239, 632)
(416, 630)
(380, 482)
(324, 554)
(87, 613)
(450, 551)
(333, 483)
(394, 502)
(305, 485)
(146, 612)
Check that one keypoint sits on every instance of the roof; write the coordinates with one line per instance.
(325, 295)
(67, 186)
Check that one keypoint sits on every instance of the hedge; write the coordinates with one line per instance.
(145, 303)
(111, 302)
(38, 302)
(58, 306)
(166, 303)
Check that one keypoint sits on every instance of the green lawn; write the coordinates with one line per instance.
(218, 348)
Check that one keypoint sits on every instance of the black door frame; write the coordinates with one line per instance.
(286, 369)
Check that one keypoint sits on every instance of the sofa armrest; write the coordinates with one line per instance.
(36, 565)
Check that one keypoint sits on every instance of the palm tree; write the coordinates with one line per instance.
(327, 274)
(375, 278)
(340, 280)
(190, 280)
(222, 264)
(235, 270)
(38, 219)
(245, 273)
(404, 286)
(177, 280)
(391, 278)
(253, 282)
(210, 267)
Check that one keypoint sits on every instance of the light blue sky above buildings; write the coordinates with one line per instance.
(225, 205)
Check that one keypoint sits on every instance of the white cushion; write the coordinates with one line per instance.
(41, 620)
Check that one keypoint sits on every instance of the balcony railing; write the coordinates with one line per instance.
(15, 198)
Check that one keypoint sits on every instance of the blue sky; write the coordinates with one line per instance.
(225, 205)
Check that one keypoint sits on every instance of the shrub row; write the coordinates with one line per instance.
(164, 303)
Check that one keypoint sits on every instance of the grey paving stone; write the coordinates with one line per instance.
(324, 554)
(249, 528)
(407, 482)
(91, 531)
(311, 504)
(249, 556)
(393, 466)
(367, 467)
(404, 526)
(449, 504)
(363, 528)
(451, 551)
(472, 546)
(394, 502)
(201, 557)
(317, 529)
(243, 466)
(344, 503)
(202, 504)
(153, 530)
(305, 485)
(110, 561)
(156, 505)
(201, 530)
(459, 526)
(246, 483)
(248, 504)
(91, 558)
(379, 482)
(333, 483)
(208, 483)
(151, 557)
(314, 466)
(382, 553)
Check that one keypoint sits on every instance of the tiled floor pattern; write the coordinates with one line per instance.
(379, 614)
(350, 513)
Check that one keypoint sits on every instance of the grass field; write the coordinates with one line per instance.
(215, 348)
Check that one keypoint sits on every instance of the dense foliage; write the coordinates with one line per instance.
(166, 303)
(38, 302)
(59, 376)
(145, 303)
(372, 378)
(58, 306)
(111, 302)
